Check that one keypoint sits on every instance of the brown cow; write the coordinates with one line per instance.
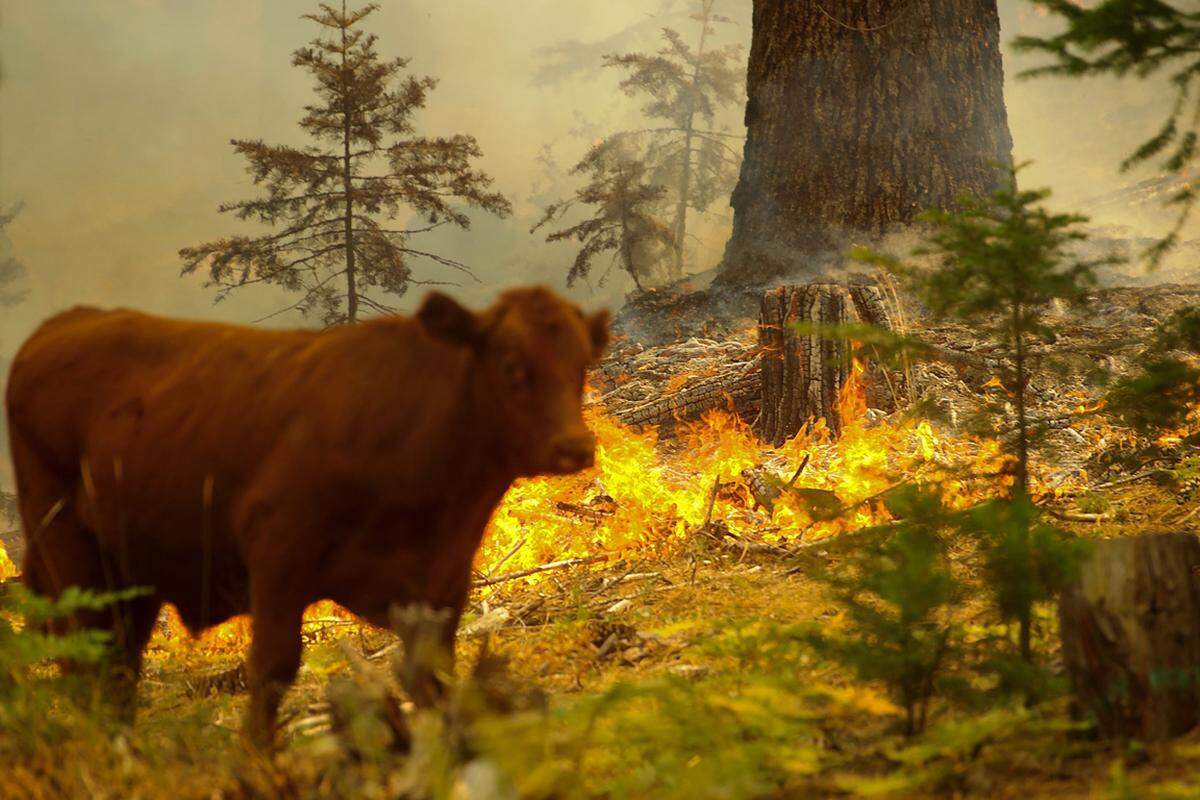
(233, 469)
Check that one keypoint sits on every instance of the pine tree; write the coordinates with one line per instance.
(685, 88)
(1165, 388)
(1141, 38)
(999, 262)
(12, 270)
(332, 203)
(622, 219)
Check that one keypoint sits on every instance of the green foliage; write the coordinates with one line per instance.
(25, 645)
(740, 733)
(896, 590)
(1119, 785)
(944, 757)
(622, 219)
(331, 201)
(1027, 562)
(1140, 38)
(684, 88)
(1093, 503)
(28, 697)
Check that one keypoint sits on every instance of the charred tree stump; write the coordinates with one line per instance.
(1131, 636)
(803, 374)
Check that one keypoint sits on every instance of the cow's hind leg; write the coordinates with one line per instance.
(61, 551)
(66, 555)
(132, 624)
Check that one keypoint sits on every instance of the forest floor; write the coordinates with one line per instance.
(648, 677)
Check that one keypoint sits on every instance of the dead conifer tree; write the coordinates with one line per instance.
(685, 88)
(333, 203)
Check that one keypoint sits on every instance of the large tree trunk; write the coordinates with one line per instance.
(1131, 636)
(861, 114)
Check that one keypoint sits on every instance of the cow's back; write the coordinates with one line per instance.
(87, 368)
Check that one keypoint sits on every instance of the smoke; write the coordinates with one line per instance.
(117, 118)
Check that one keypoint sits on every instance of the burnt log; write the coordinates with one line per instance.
(1130, 627)
(663, 385)
(735, 390)
(803, 374)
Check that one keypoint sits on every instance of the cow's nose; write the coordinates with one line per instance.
(573, 453)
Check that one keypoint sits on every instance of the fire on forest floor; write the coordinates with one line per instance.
(646, 497)
(578, 632)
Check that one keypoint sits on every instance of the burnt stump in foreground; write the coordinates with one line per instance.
(1131, 636)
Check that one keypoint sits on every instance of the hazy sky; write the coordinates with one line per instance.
(115, 117)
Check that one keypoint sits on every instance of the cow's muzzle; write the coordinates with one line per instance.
(573, 453)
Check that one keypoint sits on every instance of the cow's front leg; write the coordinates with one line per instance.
(428, 631)
(273, 664)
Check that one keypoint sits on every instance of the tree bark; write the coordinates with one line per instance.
(861, 115)
(1131, 636)
(803, 374)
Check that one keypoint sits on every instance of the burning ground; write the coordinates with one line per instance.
(637, 616)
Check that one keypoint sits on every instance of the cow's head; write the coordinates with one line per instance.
(533, 350)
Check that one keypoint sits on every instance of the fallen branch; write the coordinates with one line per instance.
(525, 573)
(594, 515)
(1075, 516)
(1141, 476)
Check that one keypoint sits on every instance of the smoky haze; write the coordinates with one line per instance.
(117, 118)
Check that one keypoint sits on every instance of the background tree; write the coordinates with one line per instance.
(861, 115)
(333, 201)
(1142, 38)
(12, 270)
(622, 220)
(685, 88)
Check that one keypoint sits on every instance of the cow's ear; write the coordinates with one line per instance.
(597, 325)
(443, 317)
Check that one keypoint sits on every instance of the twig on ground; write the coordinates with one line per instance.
(1127, 480)
(799, 469)
(1076, 516)
(525, 573)
(712, 499)
(512, 551)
